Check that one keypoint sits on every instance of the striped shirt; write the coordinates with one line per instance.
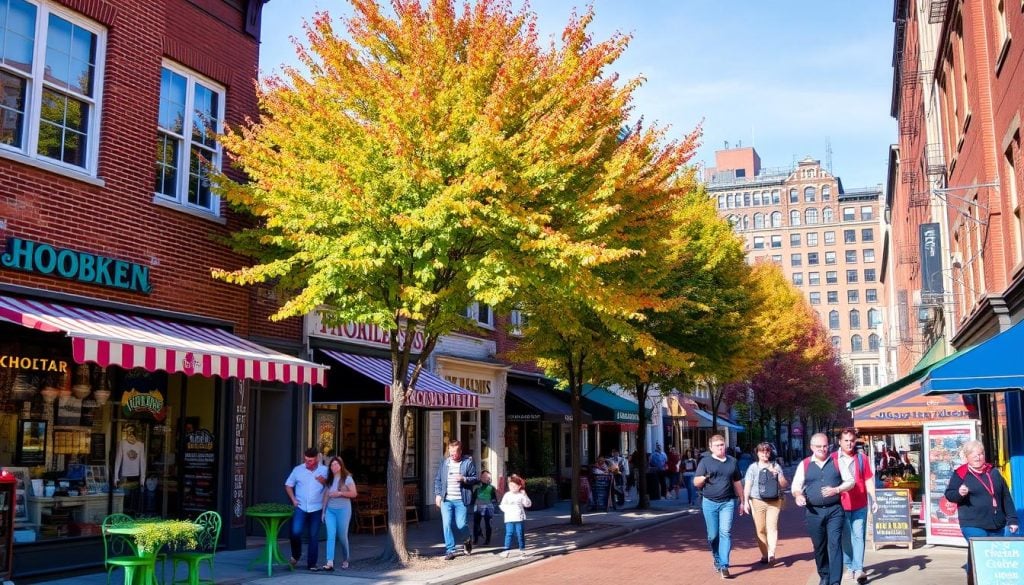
(454, 489)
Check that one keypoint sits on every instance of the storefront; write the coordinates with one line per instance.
(615, 421)
(480, 431)
(538, 427)
(124, 410)
(679, 421)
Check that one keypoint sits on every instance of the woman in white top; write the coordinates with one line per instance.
(341, 489)
(763, 508)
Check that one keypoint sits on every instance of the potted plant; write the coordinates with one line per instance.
(538, 489)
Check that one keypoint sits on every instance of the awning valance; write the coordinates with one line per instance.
(994, 365)
(133, 341)
(532, 403)
(608, 407)
(430, 391)
(681, 408)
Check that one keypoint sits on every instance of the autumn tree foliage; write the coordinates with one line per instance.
(436, 154)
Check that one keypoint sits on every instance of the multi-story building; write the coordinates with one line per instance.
(825, 238)
(956, 180)
(129, 378)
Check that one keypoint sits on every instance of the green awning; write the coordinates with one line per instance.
(932, 359)
(606, 406)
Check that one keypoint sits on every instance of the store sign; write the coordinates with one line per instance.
(15, 362)
(85, 267)
(359, 334)
(931, 260)
(199, 477)
(240, 455)
(477, 385)
(144, 404)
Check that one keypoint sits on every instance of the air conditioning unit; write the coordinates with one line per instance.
(925, 315)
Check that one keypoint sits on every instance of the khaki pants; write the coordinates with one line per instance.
(766, 522)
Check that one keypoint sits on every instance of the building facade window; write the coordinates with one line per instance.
(853, 296)
(191, 116)
(777, 258)
(794, 196)
(871, 295)
(833, 320)
(794, 217)
(849, 214)
(516, 322)
(856, 343)
(851, 276)
(776, 196)
(832, 277)
(874, 318)
(51, 67)
(809, 194)
(830, 238)
(481, 313)
(796, 260)
(826, 193)
(757, 198)
(830, 257)
(850, 236)
(794, 240)
(837, 343)
(776, 241)
(867, 213)
(874, 342)
(758, 221)
(815, 298)
(812, 238)
(867, 235)
(759, 242)
(851, 256)
(832, 297)
(814, 278)
(870, 275)
(811, 216)
(798, 278)
(868, 256)
(854, 319)
(827, 216)
(812, 258)
(776, 219)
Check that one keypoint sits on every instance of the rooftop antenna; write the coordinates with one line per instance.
(828, 155)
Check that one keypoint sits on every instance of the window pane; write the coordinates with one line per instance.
(166, 165)
(63, 127)
(70, 55)
(204, 123)
(172, 101)
(18, 34)
(198, 178)
(12, 109)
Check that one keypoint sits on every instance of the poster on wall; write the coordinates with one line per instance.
(199, 478)
(943, 443)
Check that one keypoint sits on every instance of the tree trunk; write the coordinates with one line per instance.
(643, 499)
(575, 371)
(395, 549)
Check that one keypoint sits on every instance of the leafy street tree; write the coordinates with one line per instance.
(436, 156)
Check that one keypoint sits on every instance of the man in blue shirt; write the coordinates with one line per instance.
(305, 489)
(453, 491)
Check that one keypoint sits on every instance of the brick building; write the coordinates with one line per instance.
(825, 239)
(134, 381)
(955, 226)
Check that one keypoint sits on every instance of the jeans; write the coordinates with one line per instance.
(515, 528)
(453, 510)
(718, 519)
(970, 532)
(300, 522)
(485, 514)
(337, 520)
(854, 531)
(691, 492)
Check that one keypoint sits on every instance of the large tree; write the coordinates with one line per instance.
(433, 156)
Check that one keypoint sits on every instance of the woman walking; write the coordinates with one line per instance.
(338, 510)
(762, 499)
(513, 506)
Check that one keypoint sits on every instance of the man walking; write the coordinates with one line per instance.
(453, 491)
(718, 477)
(658, 462)
(817, 484)
(305, 489)
(855, 503)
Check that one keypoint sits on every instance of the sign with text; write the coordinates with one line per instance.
(39, 258)
(200, 467)
(891, 523)
(943, 444)
(240, 453)
(931, 260)
(358, 333)
(997, 560)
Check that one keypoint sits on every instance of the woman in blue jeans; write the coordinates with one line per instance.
(984, 503)
(341, 489)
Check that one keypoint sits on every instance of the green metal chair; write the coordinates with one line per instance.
(206, 547)
(119, 550)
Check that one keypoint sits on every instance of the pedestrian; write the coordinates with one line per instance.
(337, 510)
(453, 492)
(620, 471)
(689, 466)
(513, 507)
(718, 478)
(762, 499)
(817, 483)
(984, 504)
(305, 489)
(672, 473)
(855, 503)
(744, 459)
(658, 461)
(484, 499)
(634, 469)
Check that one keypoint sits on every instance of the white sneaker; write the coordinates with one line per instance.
(504, 554)
(523, 554)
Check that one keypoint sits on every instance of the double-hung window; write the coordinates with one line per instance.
(191, 116)
(51, 62)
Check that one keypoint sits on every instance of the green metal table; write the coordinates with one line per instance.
(271, 521)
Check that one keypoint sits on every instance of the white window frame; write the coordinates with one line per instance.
(473, 313)
(516, 322)
(34, 95)
(180, 199)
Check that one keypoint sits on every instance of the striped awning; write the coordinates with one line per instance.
(133, 341)
(430, 391)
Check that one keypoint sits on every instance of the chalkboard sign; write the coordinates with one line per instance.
(997, 560)
(601, 487)
(891, 523)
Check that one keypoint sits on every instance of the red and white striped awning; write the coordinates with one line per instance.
(132, 341)
(430, 391)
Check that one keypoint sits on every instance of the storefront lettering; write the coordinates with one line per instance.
(472, 384)
(922, 414)
(35, 364)
(86, 267)
(135, 403)
(362, 333)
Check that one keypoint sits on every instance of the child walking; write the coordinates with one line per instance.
(513, 507)
(484, 497)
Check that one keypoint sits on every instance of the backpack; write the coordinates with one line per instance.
(768, 485)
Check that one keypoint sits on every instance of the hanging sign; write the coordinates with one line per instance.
(144, 405)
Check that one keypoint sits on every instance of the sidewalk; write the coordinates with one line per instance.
(922, 565)
(548, 533)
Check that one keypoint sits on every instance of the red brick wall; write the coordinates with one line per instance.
(120, 219)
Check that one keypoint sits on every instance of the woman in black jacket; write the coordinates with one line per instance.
(984, 503)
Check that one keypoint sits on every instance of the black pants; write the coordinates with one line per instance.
(484, 515)
(825, 525)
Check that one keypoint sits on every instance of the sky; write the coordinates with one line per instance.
(788, 77)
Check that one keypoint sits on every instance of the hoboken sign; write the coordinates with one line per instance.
(38, 258)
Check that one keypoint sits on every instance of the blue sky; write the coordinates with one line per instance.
(785, 76)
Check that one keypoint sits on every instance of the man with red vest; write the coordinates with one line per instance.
(817, 485)
(855, 503)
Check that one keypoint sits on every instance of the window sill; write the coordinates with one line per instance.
(52, 168)
(161, 202)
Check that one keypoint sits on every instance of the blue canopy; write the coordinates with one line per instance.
(994, 365)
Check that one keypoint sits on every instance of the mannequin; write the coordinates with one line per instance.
(130, 464)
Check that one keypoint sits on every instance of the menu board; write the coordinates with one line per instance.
(891, 523)
(199, 477)
(240, 455)
(997, 560)
(601, 486)
(943, 443)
